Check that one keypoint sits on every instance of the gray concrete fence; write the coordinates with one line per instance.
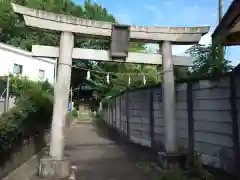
(207, 118)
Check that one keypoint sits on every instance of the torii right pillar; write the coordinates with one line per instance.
(168, 94)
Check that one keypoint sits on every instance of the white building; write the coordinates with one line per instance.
(17, 61)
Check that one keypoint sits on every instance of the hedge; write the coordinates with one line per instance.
(31, 115)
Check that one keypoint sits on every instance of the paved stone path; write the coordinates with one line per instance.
(100, 158)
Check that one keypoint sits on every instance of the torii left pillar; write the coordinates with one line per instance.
(56, 165)
(169, 157)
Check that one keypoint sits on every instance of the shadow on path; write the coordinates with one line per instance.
(103, 157)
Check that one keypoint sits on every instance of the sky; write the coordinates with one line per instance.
(170, 13)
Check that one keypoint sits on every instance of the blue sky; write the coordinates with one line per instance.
(170, 13)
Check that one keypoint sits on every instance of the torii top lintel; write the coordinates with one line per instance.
(58, 22)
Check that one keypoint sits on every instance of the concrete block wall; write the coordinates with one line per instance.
(158, 118)
(123, 105)
(139, 115)
(213, 122)
(182, 115)
(237, 80)
(117, 115)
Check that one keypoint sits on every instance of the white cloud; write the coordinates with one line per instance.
(207, 38)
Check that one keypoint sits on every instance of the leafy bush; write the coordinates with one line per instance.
(74, 113)
(21, 85)
(30, 116)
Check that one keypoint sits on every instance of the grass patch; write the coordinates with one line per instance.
(145, 167)
(195, 170)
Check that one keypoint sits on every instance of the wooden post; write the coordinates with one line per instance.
(220, 10)
(220, 15)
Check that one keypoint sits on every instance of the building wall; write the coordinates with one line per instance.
(212, 131)
(31, 65)
(10, 55)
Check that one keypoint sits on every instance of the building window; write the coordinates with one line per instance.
(17, 69)
(41, 74)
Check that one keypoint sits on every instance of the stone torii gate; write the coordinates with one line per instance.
(68, 25)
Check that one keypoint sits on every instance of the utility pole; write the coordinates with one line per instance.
(220, 10)
(220, 15)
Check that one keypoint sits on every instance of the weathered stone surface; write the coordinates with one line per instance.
(51, 168)
(103, 55)
(40, 178)
(85, 27)
(172, 160)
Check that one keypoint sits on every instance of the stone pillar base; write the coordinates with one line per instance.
(169, 161)
(40, 178)
(52, 169)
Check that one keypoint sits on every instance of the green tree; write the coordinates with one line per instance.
(119, 79)
(205, 63)
(16, 33)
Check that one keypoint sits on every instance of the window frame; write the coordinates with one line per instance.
(20, 68)
(39, 73)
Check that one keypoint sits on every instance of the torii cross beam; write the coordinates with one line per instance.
(67, 25)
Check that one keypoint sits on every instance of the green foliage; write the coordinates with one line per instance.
(174, 174)
(144, 167)
(208, 61)
(31, 115)
(119, 79)
(21, 85)
(195, 168)
(16, 33)
(74, 113)
(194, 171)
